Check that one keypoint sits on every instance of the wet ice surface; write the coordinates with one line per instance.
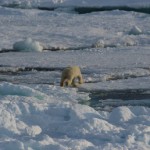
(107, 87)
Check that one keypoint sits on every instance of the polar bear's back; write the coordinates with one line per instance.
(71, 72)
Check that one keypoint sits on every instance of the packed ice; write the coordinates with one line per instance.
(28, 122)
(112, 50)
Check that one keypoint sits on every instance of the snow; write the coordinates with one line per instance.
(30, 123)
(112, 50)
(48, 28)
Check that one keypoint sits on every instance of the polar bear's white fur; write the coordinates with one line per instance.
(69, 75)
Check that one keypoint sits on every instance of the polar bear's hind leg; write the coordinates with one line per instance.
(71, 76)
(77, 81)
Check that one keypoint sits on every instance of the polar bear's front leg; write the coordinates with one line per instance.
(80, 81)
(74, 84)
(80, 78)
(66, 82)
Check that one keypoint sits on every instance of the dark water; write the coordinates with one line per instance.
(108, 99)
(125, 94)
(84, 10)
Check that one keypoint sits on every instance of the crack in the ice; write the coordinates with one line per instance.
(19, 70)
(82, 10)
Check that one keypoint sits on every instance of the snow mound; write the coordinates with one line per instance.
(121, 114)
(135, 30)
(53, 123)
(33, 131)
(99, 44)
(117, 41)
(28, 45)
(10, 89)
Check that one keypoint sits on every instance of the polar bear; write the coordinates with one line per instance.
(69, 75)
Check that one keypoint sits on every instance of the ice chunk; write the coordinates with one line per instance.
(99, 44)
(28, 45)
(121, 115)
(33, 130)
(135, 30)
